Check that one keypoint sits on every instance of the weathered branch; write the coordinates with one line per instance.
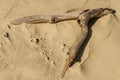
(84, 16)
(46, 19)
(58, 18)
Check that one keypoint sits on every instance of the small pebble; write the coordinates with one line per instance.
(42, 53)
(63, 46)
(53, 63)
(47, 58)
(6, 34)
(35, 40)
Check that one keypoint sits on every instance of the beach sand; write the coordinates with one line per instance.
(39, 51)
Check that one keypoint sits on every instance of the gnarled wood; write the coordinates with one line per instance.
(84, 16)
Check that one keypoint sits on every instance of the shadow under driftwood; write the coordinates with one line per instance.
(82, 48)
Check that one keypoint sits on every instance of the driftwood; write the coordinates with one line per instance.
(83, 16)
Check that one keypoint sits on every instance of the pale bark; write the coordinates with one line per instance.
(84, 16)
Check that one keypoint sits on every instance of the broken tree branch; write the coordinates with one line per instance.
(84, 16)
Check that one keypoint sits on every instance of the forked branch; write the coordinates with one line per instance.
(84, 16)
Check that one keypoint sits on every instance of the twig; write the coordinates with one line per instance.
(84, 16)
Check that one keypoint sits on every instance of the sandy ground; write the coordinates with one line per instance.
(39, 51)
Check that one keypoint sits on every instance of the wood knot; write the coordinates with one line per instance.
(53, 19)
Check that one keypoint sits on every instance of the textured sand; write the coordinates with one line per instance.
(39, 51)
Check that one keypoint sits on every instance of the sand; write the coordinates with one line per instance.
(39, 51)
